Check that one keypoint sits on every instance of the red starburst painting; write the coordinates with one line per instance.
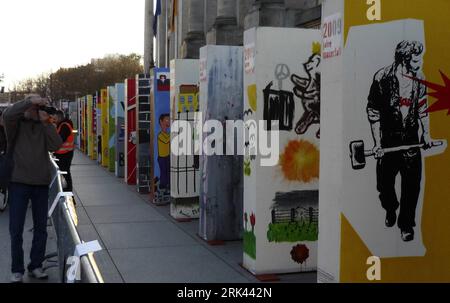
(441, 93)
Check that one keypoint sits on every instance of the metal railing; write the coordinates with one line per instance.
(64, 220)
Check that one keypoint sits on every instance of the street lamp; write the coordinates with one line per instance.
(2, 88)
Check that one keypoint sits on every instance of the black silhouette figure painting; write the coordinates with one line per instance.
(279, 106)
(308, 90)
(397, 111)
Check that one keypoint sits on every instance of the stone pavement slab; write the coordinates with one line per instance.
(142, 243)
(122, 214)
(179, 264)
(143, 235)
(105, 194)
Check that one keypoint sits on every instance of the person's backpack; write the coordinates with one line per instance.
(7, 163)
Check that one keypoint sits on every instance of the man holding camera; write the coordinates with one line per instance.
(30, 131)
(2, 135)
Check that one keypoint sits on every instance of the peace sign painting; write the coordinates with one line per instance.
(282, 86)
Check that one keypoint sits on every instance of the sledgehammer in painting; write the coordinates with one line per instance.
(358, 154)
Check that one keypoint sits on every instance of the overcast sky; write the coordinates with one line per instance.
(38, 36)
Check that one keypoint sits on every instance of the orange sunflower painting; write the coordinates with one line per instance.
(300, 161)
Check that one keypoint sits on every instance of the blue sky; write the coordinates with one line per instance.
(39, 36)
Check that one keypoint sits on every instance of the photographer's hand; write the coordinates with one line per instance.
(44, 117)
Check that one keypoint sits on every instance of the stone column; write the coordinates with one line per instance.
(267, 13)
(183, 25)
(171, 36)
(210, 15)
(243, 6)
(226, 12)
(195, 37)
(226, 30)
(307, 13)
(148, 37)
(161, 37)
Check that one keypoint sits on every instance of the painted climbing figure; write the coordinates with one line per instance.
(308, 90)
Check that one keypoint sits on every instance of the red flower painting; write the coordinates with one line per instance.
(253, 222)
(300, 253)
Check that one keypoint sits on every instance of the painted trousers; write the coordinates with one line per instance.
(409, 166)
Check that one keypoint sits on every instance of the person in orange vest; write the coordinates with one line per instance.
(66, 152)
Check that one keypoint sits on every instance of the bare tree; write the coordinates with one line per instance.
(82, 80)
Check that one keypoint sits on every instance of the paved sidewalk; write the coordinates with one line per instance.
(142, 243)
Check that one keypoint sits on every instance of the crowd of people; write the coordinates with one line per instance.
(29, 131)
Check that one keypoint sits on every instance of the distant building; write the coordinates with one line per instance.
(185, 26)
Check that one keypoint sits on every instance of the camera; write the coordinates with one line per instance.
(49, 110)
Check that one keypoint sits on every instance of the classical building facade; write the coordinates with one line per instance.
(186, 25)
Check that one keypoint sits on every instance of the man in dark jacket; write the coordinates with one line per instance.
(34, 138)
(3, 144)
(2, 135)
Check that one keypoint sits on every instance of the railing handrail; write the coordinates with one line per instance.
(88, 266)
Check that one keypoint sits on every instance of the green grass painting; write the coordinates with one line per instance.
(293, 232)
(250, 244)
